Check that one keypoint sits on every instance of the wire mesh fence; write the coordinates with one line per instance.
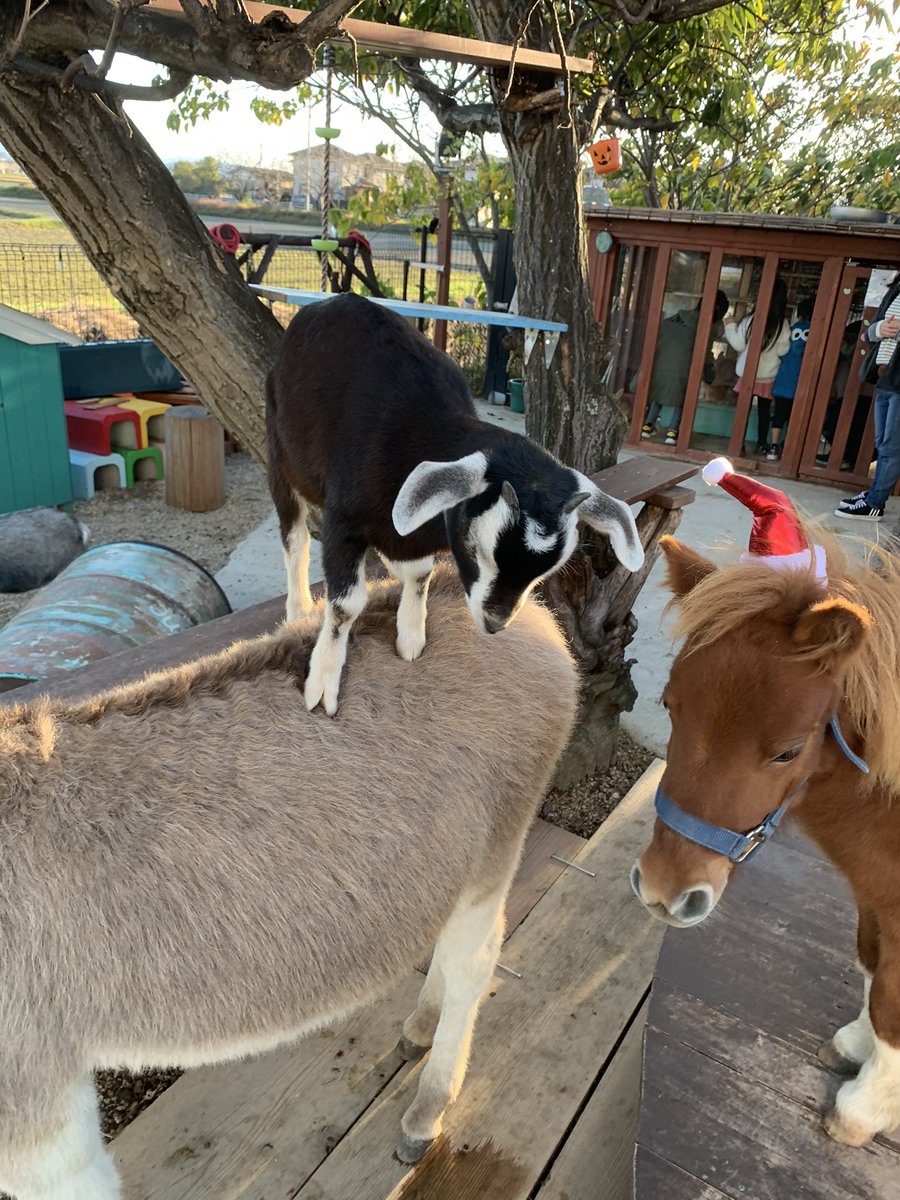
(59, 284)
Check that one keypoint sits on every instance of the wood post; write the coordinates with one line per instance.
(195, 459)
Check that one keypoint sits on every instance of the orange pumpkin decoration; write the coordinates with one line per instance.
(606, 156)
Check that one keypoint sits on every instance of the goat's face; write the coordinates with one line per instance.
(505, 543)
(502, 554)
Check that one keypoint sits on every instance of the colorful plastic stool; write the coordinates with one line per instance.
(99, 430)
(150, 414)
(85, 467)
(132, 460)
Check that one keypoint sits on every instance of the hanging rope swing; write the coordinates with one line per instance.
(326, 245)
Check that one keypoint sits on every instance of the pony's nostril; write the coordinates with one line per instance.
(692, 906)
(636, 882)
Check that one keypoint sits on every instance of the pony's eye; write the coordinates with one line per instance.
(787, 755)
(664, 702)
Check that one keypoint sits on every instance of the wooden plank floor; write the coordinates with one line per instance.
(733, 1094)
(549, 1105)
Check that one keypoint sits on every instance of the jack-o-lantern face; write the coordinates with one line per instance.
(606, 156)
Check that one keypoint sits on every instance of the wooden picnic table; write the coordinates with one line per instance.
(733, 1093)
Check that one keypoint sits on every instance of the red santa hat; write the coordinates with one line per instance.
(777, 537)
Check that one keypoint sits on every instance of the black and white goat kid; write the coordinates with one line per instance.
(367, 420)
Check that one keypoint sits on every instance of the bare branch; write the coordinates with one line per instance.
(167, 90)
(325, 20)
(453, 116)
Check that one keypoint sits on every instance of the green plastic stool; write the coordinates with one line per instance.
(132, 458)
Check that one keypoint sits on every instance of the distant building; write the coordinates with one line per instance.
(349, 175)
(263, 184)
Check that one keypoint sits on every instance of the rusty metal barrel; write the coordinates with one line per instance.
(111, 598)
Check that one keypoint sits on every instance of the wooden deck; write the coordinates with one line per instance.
(549, 1106)
(733, 1094)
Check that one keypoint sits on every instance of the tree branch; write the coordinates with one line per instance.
(167, 90)
(453, 116)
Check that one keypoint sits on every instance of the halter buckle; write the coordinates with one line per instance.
(756, 838)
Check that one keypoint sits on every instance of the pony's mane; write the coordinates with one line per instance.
(739, 593)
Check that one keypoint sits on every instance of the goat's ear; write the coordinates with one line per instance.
(685, 567)
(433, 487)
(831, 630)
(613, 518)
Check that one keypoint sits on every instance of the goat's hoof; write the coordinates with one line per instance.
(412, 1150)
(410, 648)
(847, 1131)
(834, 1060)
(411, 1051)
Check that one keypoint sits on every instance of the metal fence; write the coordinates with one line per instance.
(59, 284)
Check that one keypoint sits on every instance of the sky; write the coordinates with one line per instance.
(237, 135)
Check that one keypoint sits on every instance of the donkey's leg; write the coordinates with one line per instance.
(466, 954)
(69, 1163)
(345, 580)
(870, 1103)
(419, 1027)
(853, 1043)
(415, 577)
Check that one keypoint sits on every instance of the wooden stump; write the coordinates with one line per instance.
(195, 460)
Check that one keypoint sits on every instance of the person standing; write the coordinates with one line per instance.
(785, 386)
(776, 340)
(885, 333)
(672, 366)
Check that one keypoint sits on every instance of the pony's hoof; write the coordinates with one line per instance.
(411, 1051)
(412, 1150)
(845, 1130)
(832, 1058)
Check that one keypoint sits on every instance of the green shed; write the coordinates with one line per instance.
(34, 450)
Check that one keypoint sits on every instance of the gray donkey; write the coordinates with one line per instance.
(246, 874)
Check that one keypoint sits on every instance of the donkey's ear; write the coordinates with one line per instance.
(686, 568)
(832, 629)
(433, 487)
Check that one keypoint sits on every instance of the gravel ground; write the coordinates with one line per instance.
(584, 808)
(141, 514)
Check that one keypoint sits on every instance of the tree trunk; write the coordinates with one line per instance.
(134, 224)
(568, 409)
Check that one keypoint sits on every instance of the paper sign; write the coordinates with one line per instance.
(879, 282)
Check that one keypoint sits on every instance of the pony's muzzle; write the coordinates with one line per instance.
(690, 907)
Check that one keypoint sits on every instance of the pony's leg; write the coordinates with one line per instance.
(415, 577)
(419, 1027)
(70, 1163)
(870, 1103)
(296, 542)
(853, 1043)
(345, 581)
(466, 954)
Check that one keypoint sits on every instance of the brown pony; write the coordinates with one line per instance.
(768, 657)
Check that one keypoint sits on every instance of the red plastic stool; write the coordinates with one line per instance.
(95, 431)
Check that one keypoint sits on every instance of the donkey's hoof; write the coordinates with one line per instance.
(411, 1051)
(846, 1130)
(411, 1150)
(835, 1061)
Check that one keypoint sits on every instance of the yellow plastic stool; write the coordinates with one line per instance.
(150, 414)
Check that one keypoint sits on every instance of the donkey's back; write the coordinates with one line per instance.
(208, 869)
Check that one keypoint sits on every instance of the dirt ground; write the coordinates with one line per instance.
(141, 514)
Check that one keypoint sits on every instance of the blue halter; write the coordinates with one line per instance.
(739, 847)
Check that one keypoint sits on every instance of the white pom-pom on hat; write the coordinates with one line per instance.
(715, 471)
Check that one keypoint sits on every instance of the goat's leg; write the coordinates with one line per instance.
(296, 543)
(853, 1043)
(69, 1162)
(345, 582)
(415, 577)
(419, 1027)
(870, 1103)
(466, 954)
